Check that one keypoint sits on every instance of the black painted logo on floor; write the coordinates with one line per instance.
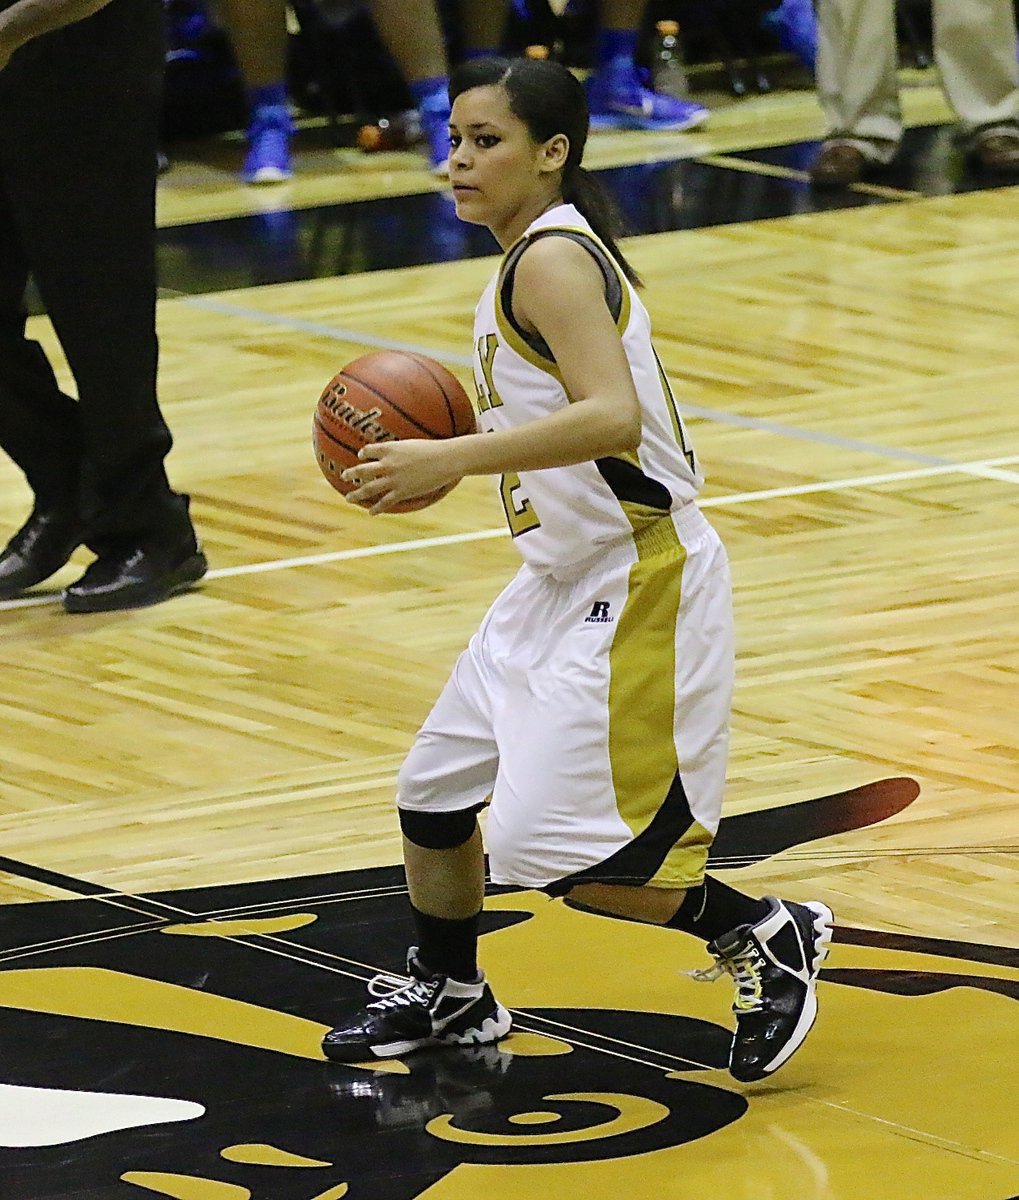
(169, 1044)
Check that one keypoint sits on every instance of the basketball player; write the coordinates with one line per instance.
(592, 705)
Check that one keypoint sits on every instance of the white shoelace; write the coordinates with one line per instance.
(397, 990)
(745, 968)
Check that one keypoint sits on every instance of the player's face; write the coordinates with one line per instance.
(500, 176)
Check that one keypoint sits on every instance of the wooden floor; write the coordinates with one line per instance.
(851, 380)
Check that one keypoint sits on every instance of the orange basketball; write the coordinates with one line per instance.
(382, 397)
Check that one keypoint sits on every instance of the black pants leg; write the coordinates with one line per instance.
(79, 113)
(39, 426)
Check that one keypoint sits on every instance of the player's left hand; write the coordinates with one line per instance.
(390, 473)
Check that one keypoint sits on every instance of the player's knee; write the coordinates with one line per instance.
(438, 830)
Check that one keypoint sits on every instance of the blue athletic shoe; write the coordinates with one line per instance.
(268, 158)
(619, 100)
(434, 116)
(795, 26)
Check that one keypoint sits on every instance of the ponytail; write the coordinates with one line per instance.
(595, 203)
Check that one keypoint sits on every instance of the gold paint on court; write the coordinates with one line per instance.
(261, 1154)
(262, 926)
(186, 1187)
(630, 1113)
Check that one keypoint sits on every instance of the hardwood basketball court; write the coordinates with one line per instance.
(200, 850)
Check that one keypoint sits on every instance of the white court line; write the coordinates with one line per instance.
(335, 333)
(983, 469)
(341, 333)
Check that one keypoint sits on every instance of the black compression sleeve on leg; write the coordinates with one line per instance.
(439, 830)
(714, 908)
(448, 947)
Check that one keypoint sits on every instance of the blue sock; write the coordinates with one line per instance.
(616, 49)
(431, 95)
(269, 95)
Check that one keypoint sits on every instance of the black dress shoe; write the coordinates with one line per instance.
(41, 546)
(135, 577)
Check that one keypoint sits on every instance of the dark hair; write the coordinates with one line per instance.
(549, 99)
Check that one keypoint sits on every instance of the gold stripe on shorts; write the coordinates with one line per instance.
(642, 701)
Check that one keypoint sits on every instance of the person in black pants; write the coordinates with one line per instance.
(80, 85)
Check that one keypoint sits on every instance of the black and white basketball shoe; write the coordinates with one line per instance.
(425, 1010)
(775, 964)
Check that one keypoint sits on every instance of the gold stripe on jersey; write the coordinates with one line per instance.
(513, 339)
(508, 330)
(642, 702)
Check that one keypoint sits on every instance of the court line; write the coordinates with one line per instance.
(335, 333)
(719, 416)
(271, 908)
(283, 948)
(937, 1139)
(753, 166)
(982, 469)
(591, 1033)
(258, 943)
(563, 1033)
(70, 941)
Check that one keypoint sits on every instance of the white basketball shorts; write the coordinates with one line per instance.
(595, 715)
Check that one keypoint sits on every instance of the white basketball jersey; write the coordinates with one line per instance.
(562, 517)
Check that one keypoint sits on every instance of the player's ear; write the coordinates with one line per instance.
(555, 152)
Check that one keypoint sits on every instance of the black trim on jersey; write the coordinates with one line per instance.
(638, 861)
(613, 284)
(628, 482)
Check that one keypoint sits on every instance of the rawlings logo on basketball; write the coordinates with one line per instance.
(367, 424)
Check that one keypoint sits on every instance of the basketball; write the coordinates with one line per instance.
(386, 396)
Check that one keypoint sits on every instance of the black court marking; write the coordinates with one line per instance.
(913, 983)
(334, 1115)
(768, 831)
(754, 836)
(307, 954)
(68, 883)
(129, 1035)
(389, 233)
(1001, 956)
(418, 230)
(741, 840)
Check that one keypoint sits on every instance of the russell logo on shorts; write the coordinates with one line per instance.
(599, 613)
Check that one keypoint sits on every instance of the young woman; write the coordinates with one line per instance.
(592, 705)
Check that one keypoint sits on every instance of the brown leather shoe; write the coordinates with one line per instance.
(998, 151)
(838, 165)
